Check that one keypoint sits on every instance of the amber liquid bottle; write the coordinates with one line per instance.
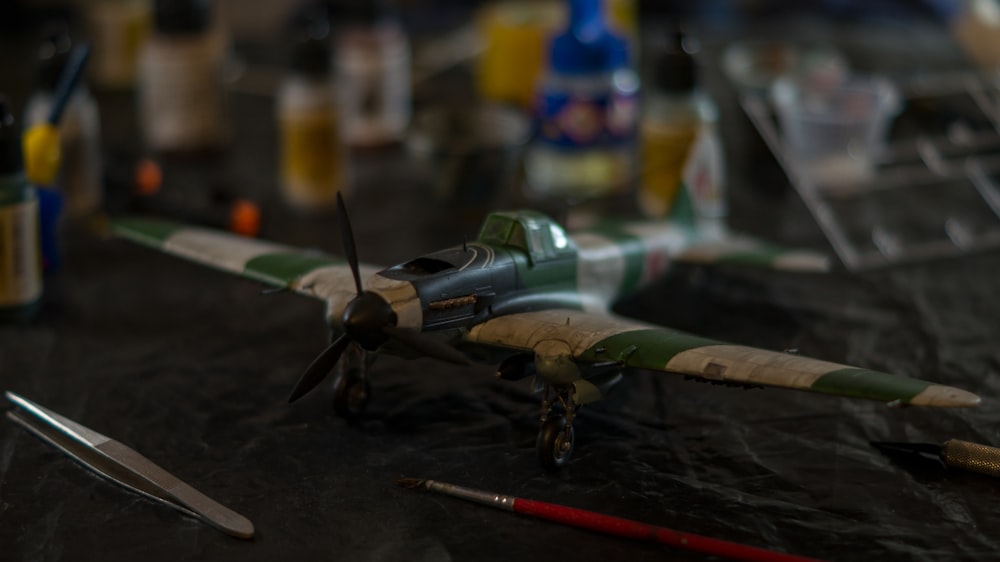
(313, 162)
(679, 145)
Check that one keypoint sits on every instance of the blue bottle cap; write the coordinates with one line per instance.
(587, 46)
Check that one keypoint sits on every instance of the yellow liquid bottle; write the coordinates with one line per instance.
(679, 146)
(312, 153)
(664, 151)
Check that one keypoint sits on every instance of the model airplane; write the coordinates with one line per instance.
(533, 300)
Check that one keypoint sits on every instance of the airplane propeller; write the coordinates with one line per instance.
(368, 321)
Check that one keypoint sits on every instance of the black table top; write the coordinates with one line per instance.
(192, 368)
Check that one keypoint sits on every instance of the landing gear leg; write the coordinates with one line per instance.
(351, 388)
(555, 437)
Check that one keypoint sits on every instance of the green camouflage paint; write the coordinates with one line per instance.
(862, 383)
(151, 232)
(284, 268)
(526, 236)
(649, 348)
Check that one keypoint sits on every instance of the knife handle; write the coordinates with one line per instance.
(971, 456)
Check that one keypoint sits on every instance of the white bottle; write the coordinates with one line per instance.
(373, 75)
(182, 99)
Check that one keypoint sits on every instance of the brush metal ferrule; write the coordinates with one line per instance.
(497, 501)
(971, 456)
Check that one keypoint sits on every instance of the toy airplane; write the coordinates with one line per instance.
(535, 301)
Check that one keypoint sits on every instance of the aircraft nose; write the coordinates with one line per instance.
(365, 317)
(402, 296)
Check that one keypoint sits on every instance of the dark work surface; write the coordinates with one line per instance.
(192, 368)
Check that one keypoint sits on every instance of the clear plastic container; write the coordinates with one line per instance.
(834, 132)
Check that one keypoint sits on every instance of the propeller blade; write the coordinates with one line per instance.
(347, 239)
(319, 368)
(427, 346)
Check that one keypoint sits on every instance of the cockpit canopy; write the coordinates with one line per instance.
(541, 238)
(426, 265)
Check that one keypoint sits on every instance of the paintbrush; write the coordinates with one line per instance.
(606, 524)
(974, 457)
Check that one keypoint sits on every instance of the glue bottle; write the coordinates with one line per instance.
(20, 260)
(680, 148)
(182, 99)
(586, 112)
(312, 159)
(79, 176)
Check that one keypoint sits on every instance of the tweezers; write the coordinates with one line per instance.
(125, 467)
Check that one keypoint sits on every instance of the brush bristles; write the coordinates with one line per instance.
(411, 483)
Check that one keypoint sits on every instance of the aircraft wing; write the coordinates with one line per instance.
(603, 339)
(745, 250)
(313, 274)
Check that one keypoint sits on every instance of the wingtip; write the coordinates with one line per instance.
(941, 396)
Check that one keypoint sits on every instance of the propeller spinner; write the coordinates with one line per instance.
(369, 321)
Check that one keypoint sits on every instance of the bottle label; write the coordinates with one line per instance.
(579, 121)
(20, 260)
(680, 156)
(664, 152)
(704, 176)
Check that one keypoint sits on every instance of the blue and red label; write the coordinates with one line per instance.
(577, 121)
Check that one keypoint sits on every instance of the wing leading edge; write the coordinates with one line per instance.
(595, 338)
(312, 274)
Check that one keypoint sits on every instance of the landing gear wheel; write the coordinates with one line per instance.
(350, 394)
(554, 443)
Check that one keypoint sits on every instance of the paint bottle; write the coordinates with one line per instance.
(312, 158)
(373, 74)
(680, 147)
(118, 29)
(586, 112)
(182, 99)
(515, 36)
(20, 260)
(80, 177)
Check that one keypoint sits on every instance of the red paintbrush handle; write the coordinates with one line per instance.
(634, 530)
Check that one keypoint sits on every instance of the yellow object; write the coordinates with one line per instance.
(977, 28)
(665, 150)
(41, 153)
(311, 159)
(516, 34)
(622, 14)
